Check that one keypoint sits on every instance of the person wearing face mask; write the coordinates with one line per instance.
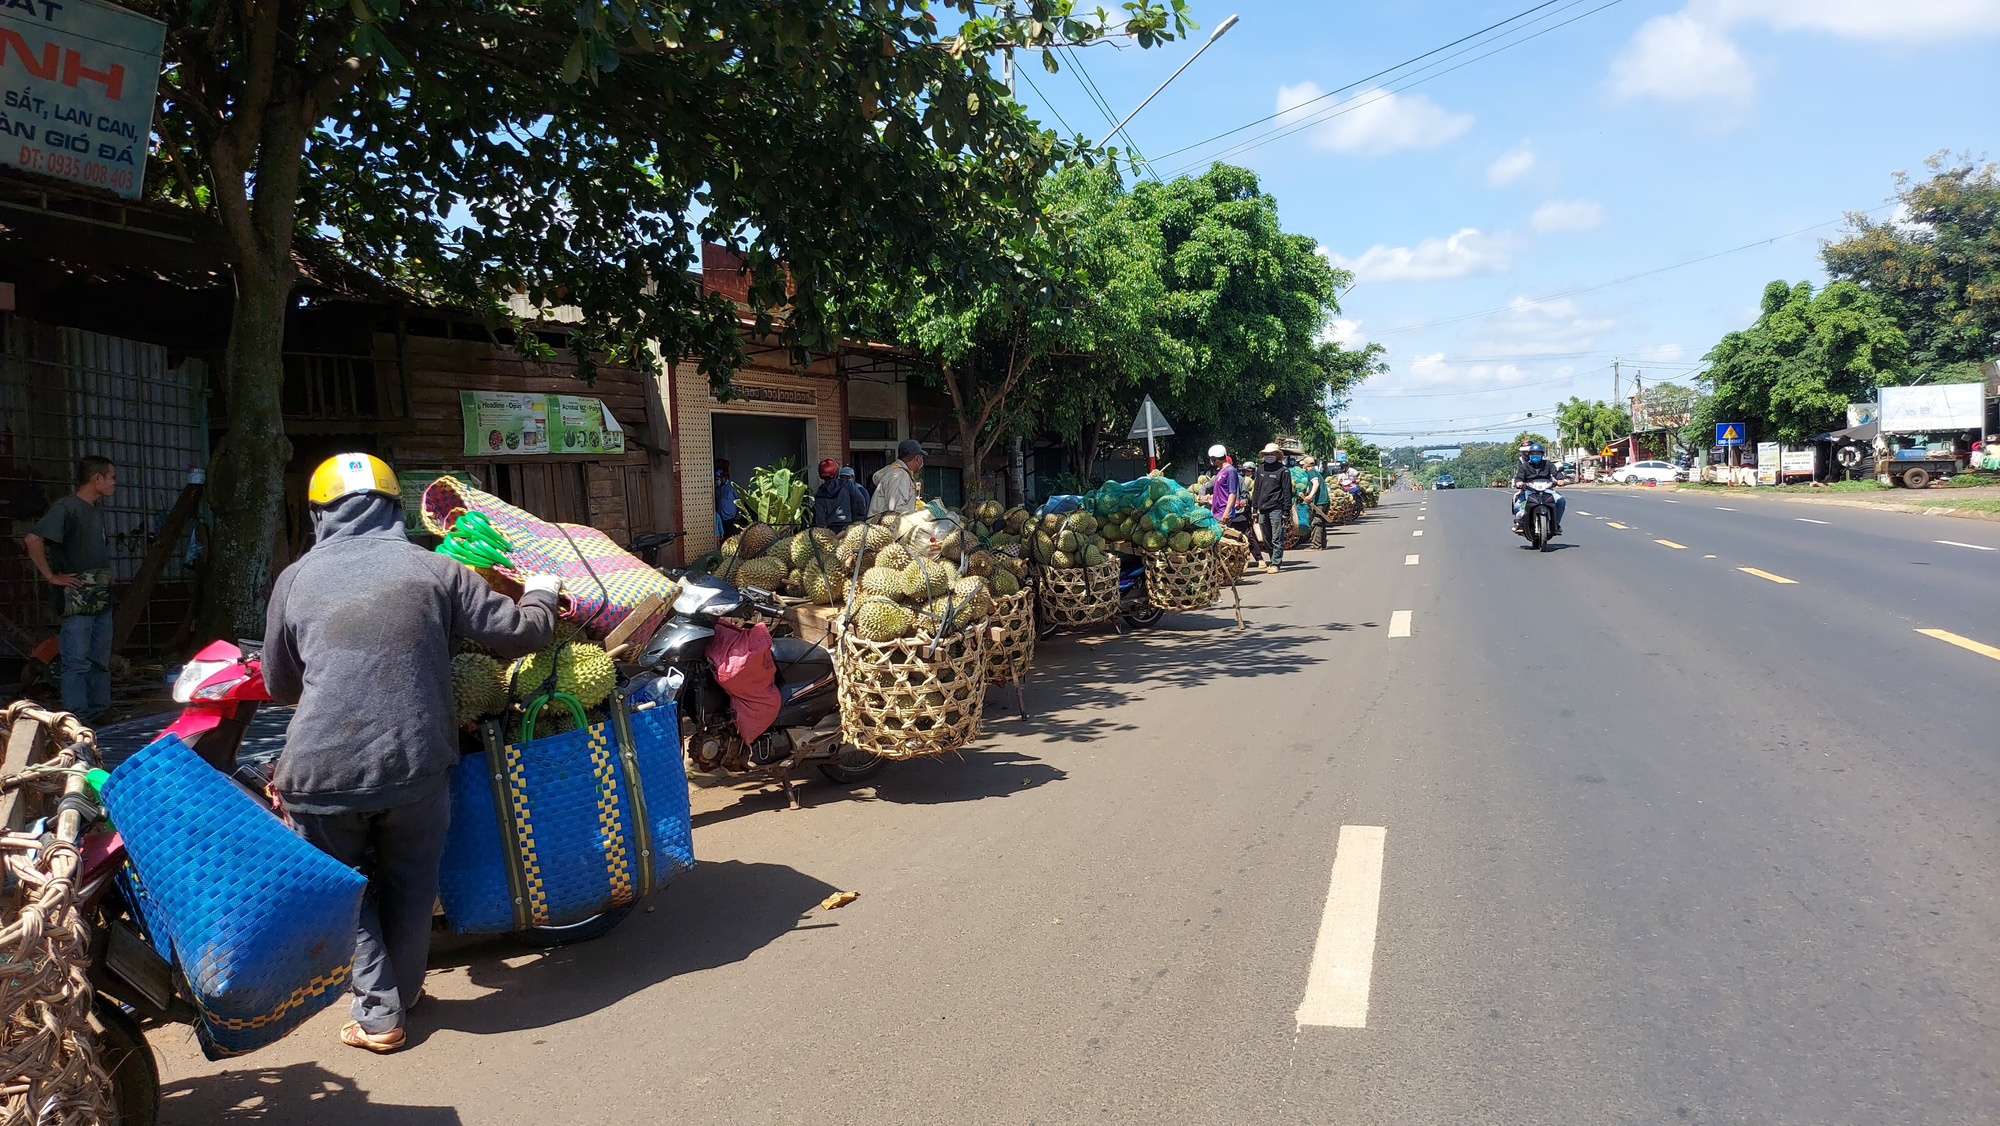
(1269, 499)
(1534, 465)
(359, 636)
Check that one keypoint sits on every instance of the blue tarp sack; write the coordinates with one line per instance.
(1061, 505)
(549, 832)
(260, 922)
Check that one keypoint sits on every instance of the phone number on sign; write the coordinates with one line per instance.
(74, 168)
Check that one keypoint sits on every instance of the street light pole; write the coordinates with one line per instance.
(1219, 31)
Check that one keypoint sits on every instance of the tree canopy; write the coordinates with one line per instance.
(573, 154)
(1935, 268)
(1591, 424)
(1792, 374)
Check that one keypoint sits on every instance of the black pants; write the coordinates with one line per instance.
(1274, 526)
(1242, 524)
(398, 849)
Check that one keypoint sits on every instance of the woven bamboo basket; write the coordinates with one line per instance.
(1010, 646)
(1074, 597)
(1182, 580)
(909, 698)
(1233, 556)
(49, 1066)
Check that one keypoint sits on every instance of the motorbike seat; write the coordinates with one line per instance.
(800, 661)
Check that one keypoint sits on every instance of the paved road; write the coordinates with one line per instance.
(1660, 841)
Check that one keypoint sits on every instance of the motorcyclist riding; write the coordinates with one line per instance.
(1534, 465)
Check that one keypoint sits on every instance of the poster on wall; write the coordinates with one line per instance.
(504, 424)
(507, 424)
(584, 426)
(79, 77)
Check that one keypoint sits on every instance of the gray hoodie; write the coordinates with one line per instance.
(359, 636)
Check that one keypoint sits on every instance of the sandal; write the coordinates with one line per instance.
(382, 1043)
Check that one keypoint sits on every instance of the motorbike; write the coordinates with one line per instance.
(1537, 518)
(673, 670)
(1133, 607)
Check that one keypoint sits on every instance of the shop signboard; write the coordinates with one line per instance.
(1796, 463)
(510, 424)
(1767, 463)
(79, 76)
(1729, 433)
(1860, 414)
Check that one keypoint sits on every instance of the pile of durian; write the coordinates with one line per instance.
(1066, 540)
(483, 686)
(901, 595)
(806, 564)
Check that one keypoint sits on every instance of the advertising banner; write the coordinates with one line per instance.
(1796, 463)
(1921, 410)
(510, 424)
(1767, 463)
(504, 424)
(79, 77)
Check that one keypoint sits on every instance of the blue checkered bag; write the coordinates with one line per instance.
(260, 922)
(567, 826)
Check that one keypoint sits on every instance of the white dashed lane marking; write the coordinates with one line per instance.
(1343, 958)
(1399, 623)
(1418, 532)
(1808, 520)
(1420, 518)
(1719, 508)
(1409, 560)
(1955, 543)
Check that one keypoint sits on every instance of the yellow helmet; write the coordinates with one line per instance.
(345, 474)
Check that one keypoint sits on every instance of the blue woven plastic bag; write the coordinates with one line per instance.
(577, 836)
(260, 922)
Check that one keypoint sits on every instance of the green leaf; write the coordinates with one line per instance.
(572, 67)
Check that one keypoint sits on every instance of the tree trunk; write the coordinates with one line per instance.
(247, 476)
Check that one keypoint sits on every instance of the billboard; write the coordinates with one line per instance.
(510, 424)
(1948, 406)
(79, 78)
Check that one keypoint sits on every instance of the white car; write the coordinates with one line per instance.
(1658, 472)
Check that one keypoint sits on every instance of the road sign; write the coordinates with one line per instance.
(1150, 424)
(1729, 433)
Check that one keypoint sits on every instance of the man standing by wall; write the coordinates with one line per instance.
(72, 553)
(840, 500)
(896, 482)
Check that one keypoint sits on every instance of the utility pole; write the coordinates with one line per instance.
(1614, 381)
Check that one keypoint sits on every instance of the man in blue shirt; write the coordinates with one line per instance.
(71, 551)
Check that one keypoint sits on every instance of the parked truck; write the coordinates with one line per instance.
(1922, 432)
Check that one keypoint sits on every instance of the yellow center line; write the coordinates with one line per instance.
(1616, 524)
(1767, 575)
(1947, 636)
(1672, 544)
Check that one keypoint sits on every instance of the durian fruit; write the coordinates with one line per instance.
(1005, 583)
(952, 545)
(584, 671)
(781, 550)
(854, 541)
(553, 719)
(980, 563)
(1179, 541)
(1093, 554)
(1062, 559)
(1042, 549)
(893, 556)
(880, 536)
(808, 546)
(1068, 540)
(884, 581)
(765, 573)
(756, 538)
(881, 619)
(822, 587)
(1083, 523)
(478, 686)
(1204, 537)
(530, 674)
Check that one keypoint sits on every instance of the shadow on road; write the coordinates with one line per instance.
(719, 913)
(301, 1094)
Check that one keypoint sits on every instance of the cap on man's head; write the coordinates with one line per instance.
(909, 448)
(1272, 448)
(847, 471)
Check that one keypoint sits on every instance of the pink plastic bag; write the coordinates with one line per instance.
(745, 670)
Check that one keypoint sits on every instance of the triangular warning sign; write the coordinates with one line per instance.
(1729, 434)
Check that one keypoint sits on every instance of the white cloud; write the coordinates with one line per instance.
(1464, 252)
(1345, 332)
(1689, 56)
(1571, 215)
(1909, 21)
(1371, 122)
(1538, 330)
(1680, 58)
(1512, 165)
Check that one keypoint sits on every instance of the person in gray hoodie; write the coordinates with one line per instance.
(359, 636)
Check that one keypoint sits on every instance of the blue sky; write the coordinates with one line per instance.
(1642, 136)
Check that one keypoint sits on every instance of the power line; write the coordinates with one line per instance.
(1103, 104)
(1350, 106)
(1522, 304)
(1359, 81)
(1045, 101)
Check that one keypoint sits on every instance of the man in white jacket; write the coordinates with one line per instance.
(896, 482)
